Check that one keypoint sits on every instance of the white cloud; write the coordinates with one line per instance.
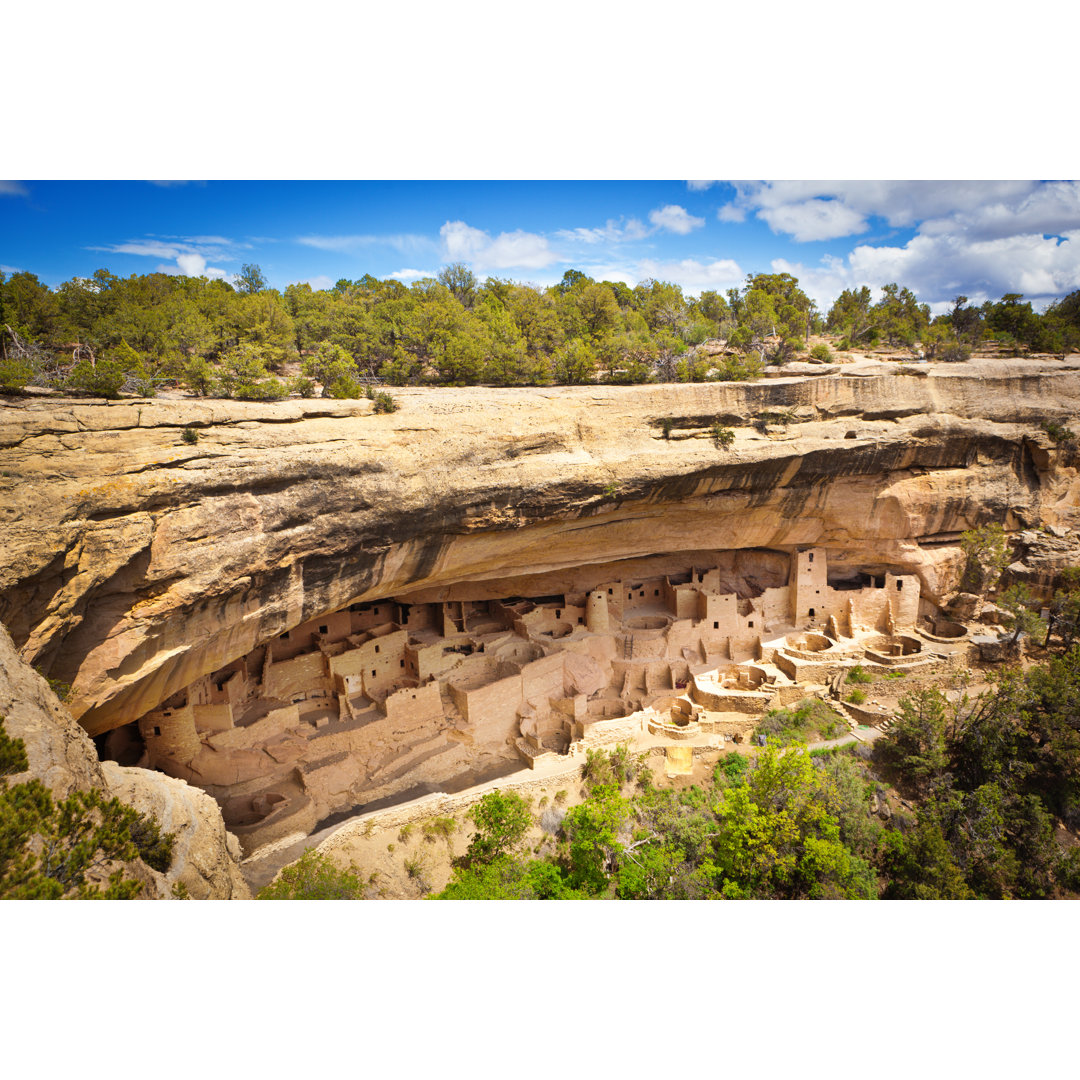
(191, 253)
(613, 232)
(410, 275)
(902, 203)
(13, 187)
(194, 265)
(320, 281)
(815, 219)
(675, 219)
(9, 269)
(463, 243)
(692, 274)
(700, 185)
(405, 243)
(941, 266)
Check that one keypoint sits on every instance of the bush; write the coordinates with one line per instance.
(264, 390)
(49, 848)
(731, 770)
(857, 697)
(315, 877)
(440, 826)
(667, 424)
(783, 727)
(303, 386)
(384, 403)
(14, 375)
(857, 675)
(722, 436)
(103, 379)
(1058, 433)
(821, 352)
(190, 435)
(199, 375)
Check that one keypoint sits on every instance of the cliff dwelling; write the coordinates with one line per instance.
(422, 692)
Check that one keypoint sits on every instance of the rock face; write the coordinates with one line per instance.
(61, 755)
(206, 858)
(133, 563)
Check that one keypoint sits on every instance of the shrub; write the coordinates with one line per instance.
(731, 770)
(414, 867)
(48, 848)
(597, 771)
(621, 763)
(14, 375)
(103, 379)
(988, 553)
(1058, 433)
(264, 390)
(404, 833)
(315, 877)
(821, 351)
(552, 820)
(384, 403)
(199, 375)
(667, 424)
(440, 826)
(190, 435)
(561, 796)
(895, 674)
(857, 675)
(302, 385)
(857, 697)
(722, 436)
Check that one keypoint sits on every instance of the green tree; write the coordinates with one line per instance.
(501, 821)
(461, 282)
(250, 280)
(336, 370)
(916, 743)
(988, 553)
(573, 363)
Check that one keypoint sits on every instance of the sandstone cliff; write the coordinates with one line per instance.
(132, 563)
(61, 755)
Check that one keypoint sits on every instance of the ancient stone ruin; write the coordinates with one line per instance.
(383, 697)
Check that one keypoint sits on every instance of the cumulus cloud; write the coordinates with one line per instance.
(675, 219)
(939, 267)
(13, 187)
(463, 243)
(700, 185)
(977, 238)
(786, 204)
(815, 219)
(193, 265)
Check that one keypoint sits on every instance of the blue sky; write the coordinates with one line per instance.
(980, 238)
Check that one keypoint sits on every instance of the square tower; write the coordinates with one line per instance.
(809, 586)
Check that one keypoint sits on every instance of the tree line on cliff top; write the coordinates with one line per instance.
(107, 335)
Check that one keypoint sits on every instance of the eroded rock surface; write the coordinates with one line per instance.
(62, 756)
(132, 563)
